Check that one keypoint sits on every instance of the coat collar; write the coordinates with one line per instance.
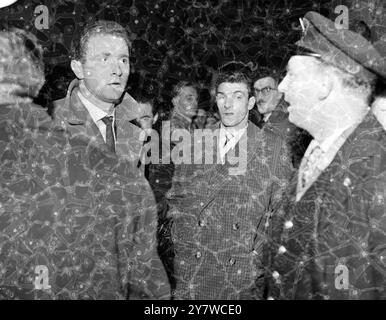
(368, 130)
(77, 114)
(223, 172)
(280, 113)
(71, 113)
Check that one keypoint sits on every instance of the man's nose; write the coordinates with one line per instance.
(228, 103)
(116, 68)
(258, 94)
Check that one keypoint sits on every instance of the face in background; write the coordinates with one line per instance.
(266, 94)
(146, 118)
(302, 88)
(233, 103)
(186, 102)
(105, 69)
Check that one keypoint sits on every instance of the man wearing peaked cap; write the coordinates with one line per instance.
(342, 48)
(329, 243)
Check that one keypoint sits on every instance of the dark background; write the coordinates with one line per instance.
(181, 39)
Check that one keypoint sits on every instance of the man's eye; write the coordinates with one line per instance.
(125, 60)
(104, 59)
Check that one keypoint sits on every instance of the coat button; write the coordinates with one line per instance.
(282, 250)
(201, 223)
(198, 255)
(236, 226)
(232, 261)
(347, 182)
(276, 275)
(288, 224)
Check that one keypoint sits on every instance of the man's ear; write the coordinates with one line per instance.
(326, 86)
(251, 103)
(77, 68)
(175, 101)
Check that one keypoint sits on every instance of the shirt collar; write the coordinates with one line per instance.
(234, 133)
(95, 112)
(327, 143)
(267, 116)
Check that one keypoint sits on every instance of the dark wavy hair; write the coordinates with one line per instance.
(233, 77)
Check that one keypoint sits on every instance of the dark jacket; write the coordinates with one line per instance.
(219, 218)
(71, 114)
(331, 243)
(75, 223)
(297, 139)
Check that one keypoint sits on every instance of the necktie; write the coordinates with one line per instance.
(309, 167)
(108, 121)
(228, 137)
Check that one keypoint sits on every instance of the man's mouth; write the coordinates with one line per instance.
(116, 85)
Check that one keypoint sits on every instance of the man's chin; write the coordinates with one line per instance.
(228, 123)
(262, 109)
(191, 112)
(297, 119)
(113, 98)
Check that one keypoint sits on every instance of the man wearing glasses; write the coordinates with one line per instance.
(273, 110)
(269, 99)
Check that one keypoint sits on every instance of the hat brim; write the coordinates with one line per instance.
(343, 48)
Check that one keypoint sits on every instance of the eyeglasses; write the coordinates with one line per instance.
(265, 91)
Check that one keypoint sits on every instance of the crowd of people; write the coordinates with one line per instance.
(263, 198)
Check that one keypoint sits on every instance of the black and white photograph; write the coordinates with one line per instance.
(206, 151)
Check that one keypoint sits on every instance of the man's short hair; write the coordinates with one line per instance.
(234, 77)
(265, 73)
(182, 84)
(354, 84)
(98, 27)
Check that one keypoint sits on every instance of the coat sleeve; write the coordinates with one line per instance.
(142, 273)
(282, 173)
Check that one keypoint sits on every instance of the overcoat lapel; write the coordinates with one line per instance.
(220, 174)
